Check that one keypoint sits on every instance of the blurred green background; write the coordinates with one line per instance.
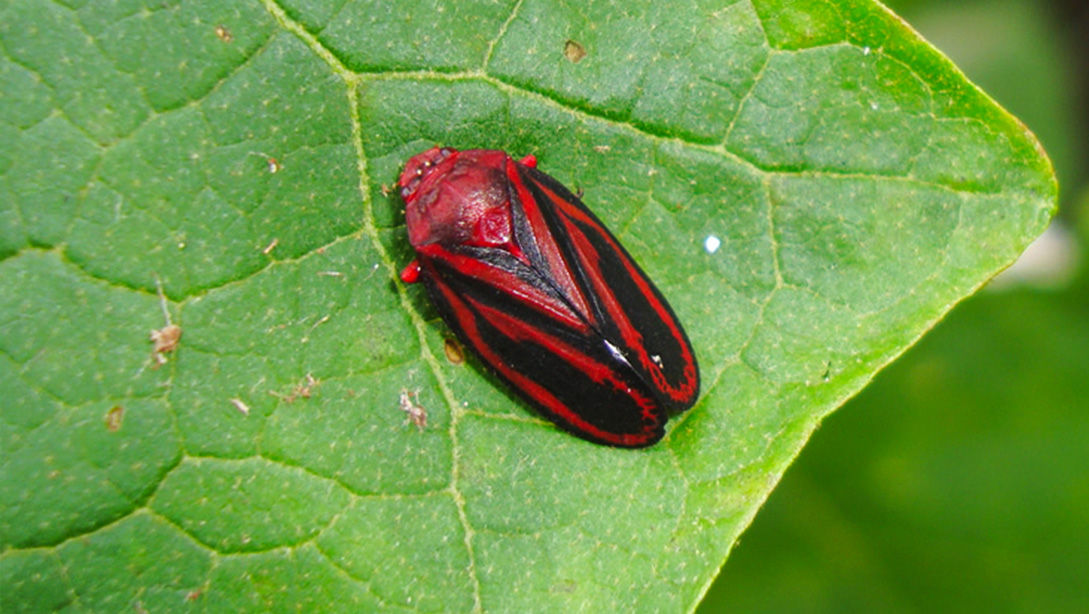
(959, 479)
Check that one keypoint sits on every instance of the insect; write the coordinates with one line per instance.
(532, 282)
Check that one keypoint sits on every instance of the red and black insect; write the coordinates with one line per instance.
(530, 280)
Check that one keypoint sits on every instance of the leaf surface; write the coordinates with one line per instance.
(239, 155)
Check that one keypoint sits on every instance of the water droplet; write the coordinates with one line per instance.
(712, 243)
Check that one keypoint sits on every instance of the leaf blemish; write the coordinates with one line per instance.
(224, 34)
(415, 413)
(453, 351)
(302, 390)
(574, 51)
(114, 418)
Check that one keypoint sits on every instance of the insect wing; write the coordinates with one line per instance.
(572, 378)
(624, 305)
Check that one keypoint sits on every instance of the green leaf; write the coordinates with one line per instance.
(239, 154)
(946, 485)
(903, 503)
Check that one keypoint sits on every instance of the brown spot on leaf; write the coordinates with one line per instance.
(453, 351)
(114, 418)
(224, 34)
(574, 51)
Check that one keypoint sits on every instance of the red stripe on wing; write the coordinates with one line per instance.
(506, 282)
(467, 311)
(575, 218)
(552, 258)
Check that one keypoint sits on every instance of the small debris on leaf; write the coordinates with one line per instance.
(164, 339)
(241, 406)
(415, 413)
(302, 390)
(273, 164)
